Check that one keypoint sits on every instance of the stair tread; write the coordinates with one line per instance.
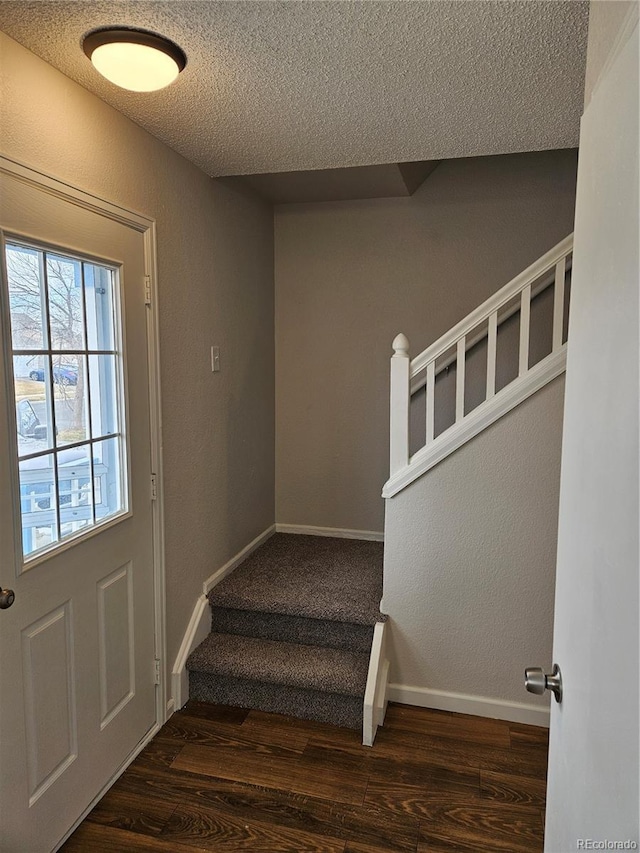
(291, 664)
(308, 576)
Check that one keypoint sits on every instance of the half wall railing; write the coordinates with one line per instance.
(480, 329)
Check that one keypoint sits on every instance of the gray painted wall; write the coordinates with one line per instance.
(351, 275)
(215, 264)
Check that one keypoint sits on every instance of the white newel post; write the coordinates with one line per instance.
(399, 415)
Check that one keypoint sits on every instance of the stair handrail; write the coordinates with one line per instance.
(493, 303)
(504, 314)
(404, 369)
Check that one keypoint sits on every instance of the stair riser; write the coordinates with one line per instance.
(292, 629)
(333, 708)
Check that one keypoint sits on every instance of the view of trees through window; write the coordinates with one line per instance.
(67, 377)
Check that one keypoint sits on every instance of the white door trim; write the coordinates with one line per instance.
(147, 227)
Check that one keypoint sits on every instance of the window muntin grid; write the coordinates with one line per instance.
(68, 380)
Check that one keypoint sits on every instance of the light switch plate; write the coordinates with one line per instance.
(215, 359)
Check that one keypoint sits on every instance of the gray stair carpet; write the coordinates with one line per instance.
(292, 630)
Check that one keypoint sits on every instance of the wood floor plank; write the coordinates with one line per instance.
(93, 838)
(209, 733)
(227, 714)
(510, 788)
(160, 752)
(406, 765)
(415, 801)
(272, 771)
(369, 823)
(440, 843)
(363, 847)
(175, 786)
(320, 754)
(528, 735)
(134, 812)
(458, 827)
(412, 769)
(525, 761)
(263, 720)
(217, 830)
(444, 724)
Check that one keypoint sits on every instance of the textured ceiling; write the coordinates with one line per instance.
(285, 86)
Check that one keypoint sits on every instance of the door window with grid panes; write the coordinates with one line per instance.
(68, 379)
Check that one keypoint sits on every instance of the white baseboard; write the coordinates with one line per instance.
(234, 562)
(199, 626)
(338, 532)
(461, 703)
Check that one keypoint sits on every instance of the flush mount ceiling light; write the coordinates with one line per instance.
(134, 59)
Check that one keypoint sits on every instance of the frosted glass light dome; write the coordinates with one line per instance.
(136, 60)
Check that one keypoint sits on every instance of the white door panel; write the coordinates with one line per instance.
(592, 795)
(77, 674)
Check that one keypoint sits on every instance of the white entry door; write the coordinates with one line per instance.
(592, 795)
(77, 663)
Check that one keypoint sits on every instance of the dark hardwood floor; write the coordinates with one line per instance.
(226, 780)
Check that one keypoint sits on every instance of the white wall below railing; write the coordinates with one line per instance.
(470, 562)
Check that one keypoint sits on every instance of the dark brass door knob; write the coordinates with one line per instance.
(7, 597)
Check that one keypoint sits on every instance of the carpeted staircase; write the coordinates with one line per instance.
(291, 630)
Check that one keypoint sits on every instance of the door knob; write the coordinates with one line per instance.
(7, 597)
(537, 682)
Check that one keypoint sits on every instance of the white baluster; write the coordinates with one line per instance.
(558, 304)
(460, 365)
(492, 342)
(400, 398)
(525, 320)
(431, 391)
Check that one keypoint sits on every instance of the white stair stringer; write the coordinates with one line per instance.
(375, 696)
